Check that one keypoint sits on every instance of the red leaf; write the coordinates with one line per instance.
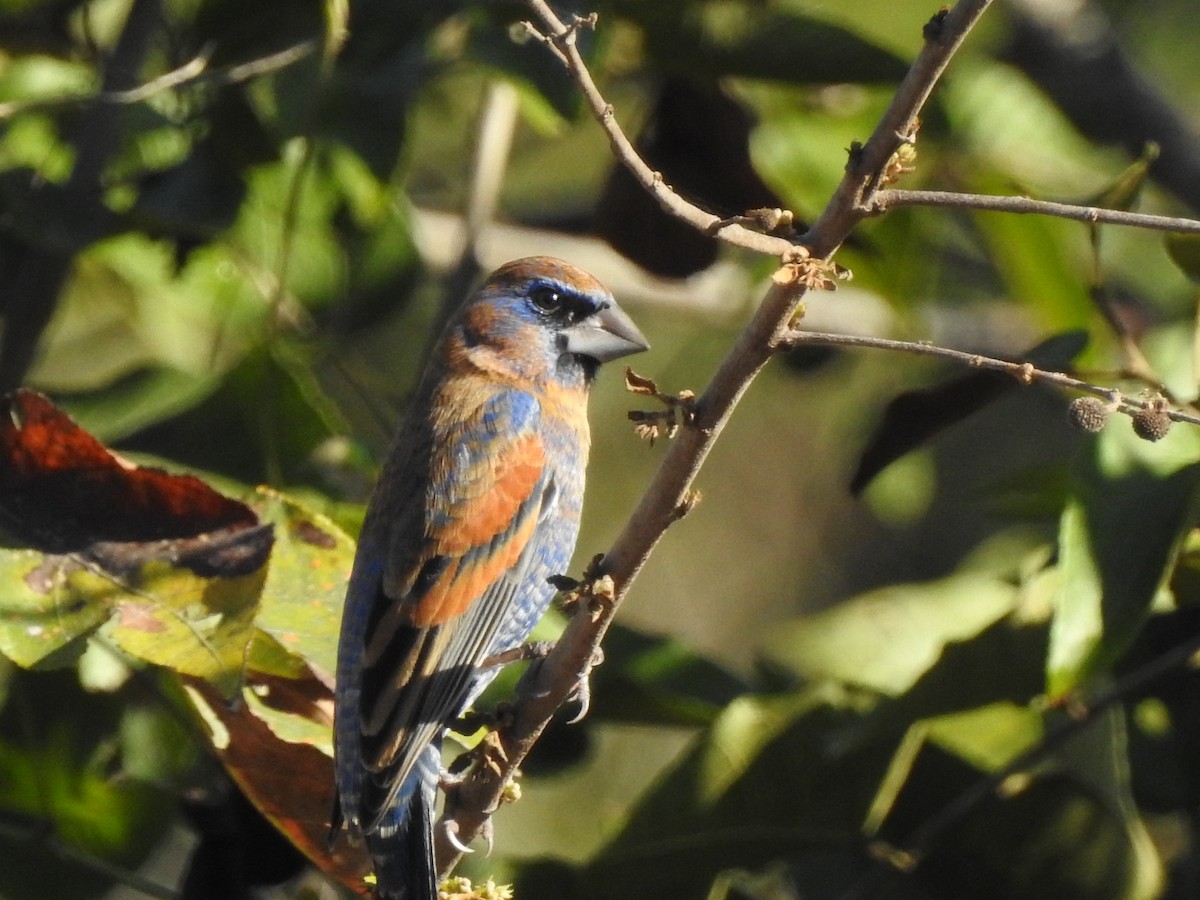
(61, 490)
(290, 784)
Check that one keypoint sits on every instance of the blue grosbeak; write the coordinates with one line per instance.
(477, 506)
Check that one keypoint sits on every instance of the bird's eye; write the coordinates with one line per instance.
(547, 300)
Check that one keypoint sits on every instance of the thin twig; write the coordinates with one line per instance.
(194, 71)
(189, 71)
(855, 192)
(890, 198)
(561, 39)
(1024, 372)
(671, 488)
(264, 65)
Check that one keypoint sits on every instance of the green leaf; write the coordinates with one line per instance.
(531, 67)
(75, 800)
(1126, 188)
(46, 606)
(1073, 833)
(1045, 839)
(988, 737)
(1098, 757)
(306, 583)
(915, 417)
(1184, 250)
(887, 639)
(138, 401)
(289, 780)
(717, 38)
(1123, 193)
(764, 782)
(172, 617)
(1002, 667)
(1035, 259)
(1118, 539)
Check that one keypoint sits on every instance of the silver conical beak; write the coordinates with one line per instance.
(605, 336)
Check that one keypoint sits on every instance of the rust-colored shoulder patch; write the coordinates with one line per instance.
(495, 522)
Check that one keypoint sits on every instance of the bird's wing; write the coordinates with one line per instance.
(439, 609)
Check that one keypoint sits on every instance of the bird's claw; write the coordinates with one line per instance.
(582, 692)
(450, 828)
(487, 831)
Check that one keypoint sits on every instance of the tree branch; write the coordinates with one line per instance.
(889, 198)
(1071, 53)
(1024, 372)
(669, 492)
(561, 39)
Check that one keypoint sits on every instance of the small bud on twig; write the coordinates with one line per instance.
(680, 408)
(811, 274)
(904, 160)
(767, 220)
(687, 504)
(933, 28)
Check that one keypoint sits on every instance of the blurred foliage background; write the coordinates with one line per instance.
(229, 230)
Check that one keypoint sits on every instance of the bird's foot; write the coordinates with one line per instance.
(531, 651)
(582, 692)
(487, 831)
(473, 720)
(489, 753)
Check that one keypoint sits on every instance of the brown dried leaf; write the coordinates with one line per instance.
(639, 384)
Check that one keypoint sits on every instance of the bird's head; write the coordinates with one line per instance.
(547, 318)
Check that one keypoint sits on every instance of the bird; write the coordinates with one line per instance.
(477, 505)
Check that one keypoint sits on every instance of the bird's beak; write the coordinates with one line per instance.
(605, 336)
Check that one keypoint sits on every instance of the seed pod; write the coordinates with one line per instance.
(1151, 423)
(1087, 414)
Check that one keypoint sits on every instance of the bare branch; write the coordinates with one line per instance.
(890, 198)
(944, 33)
(189, 71)
(561, 38)
(264, 65)
(1024, 372)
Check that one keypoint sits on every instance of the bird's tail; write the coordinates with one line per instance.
(403, 849)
